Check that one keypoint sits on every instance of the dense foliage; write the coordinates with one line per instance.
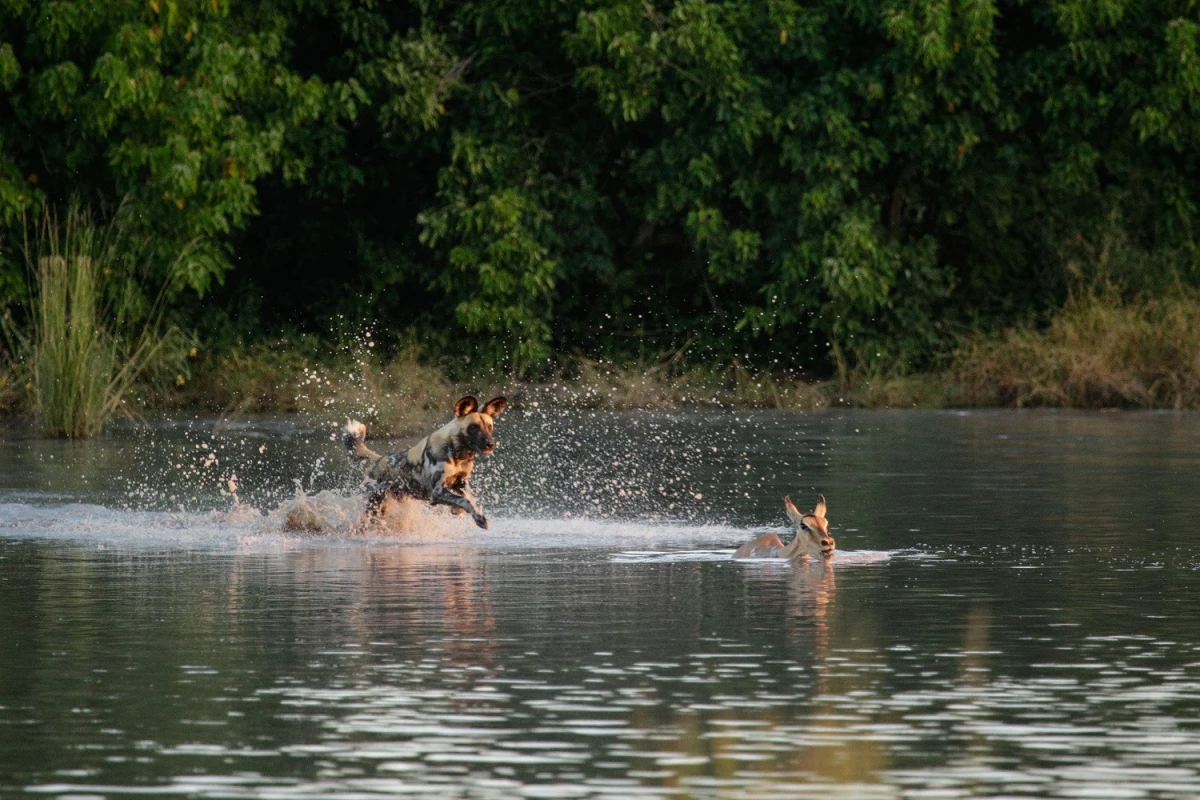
(818, 182)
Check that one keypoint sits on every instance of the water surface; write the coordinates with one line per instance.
(1034, 632)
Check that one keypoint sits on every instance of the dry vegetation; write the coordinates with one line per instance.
(405, 395)
(1097, 352)
(395, 398)
(592, 384)
(597, 384)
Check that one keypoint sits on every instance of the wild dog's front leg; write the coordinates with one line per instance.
(443, 496)
(459, 486)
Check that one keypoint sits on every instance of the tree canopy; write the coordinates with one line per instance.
(805, 181)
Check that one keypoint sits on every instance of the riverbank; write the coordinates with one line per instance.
(1096, 352)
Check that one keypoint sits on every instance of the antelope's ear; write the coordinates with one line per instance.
(793, 513)
(494, 406)
(465, 406)
(819, 511)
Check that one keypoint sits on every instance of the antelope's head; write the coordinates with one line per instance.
(812, 531)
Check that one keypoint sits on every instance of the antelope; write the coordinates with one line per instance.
(812, 536)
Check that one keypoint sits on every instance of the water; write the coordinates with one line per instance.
(1032, 632)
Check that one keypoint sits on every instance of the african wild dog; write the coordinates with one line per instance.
(812, 537)
(437, 467)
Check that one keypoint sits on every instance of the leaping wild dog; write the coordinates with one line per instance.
(437, 467)
(812, 536)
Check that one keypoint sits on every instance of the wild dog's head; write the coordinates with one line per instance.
(473, 425)
(812, 531)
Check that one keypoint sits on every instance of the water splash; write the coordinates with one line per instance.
(330, 512)
(565, 477)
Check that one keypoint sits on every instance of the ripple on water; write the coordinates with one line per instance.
(629, 657)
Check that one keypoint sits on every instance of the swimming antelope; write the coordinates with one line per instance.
(812, 536)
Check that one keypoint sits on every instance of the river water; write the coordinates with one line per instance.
(1013, 612)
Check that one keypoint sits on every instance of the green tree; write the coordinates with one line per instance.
(830, 181)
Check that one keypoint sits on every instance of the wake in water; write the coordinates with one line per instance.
(331, 519)
(841, 558)
(412, 521)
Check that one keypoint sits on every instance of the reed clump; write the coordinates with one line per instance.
(1096, 352)
(86, 335)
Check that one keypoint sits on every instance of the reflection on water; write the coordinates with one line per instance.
(1013, 644)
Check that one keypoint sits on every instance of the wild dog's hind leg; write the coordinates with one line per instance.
(443, 496)
(375, 500)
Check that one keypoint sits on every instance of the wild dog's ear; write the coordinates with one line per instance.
(465, 406)
(819, 511)
(494, 406)
(793, 513)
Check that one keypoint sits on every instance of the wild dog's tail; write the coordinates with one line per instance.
(354, 436)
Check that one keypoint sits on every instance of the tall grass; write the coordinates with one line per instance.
(81, 351)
